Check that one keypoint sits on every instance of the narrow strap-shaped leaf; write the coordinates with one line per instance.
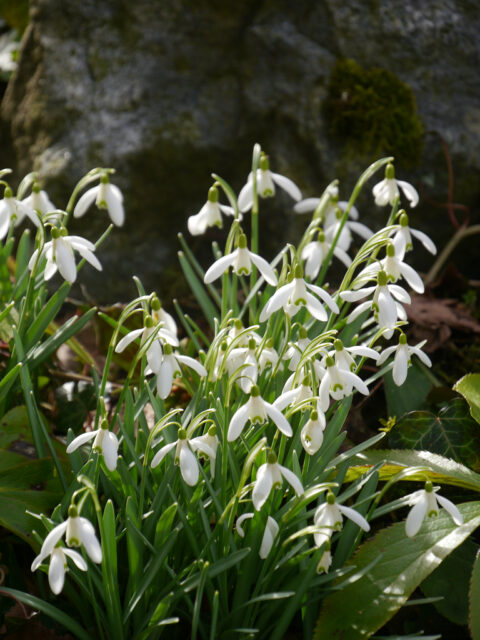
(474, 599)
(198, 290)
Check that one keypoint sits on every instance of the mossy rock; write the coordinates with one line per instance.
(373, 113)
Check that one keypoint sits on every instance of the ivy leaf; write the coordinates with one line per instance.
(469, 388)
(452, 433)
(442, 470)
(474, 598)
(411, 395)
(360, 607)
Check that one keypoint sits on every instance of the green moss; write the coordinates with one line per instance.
(15, 13)
(372, 112)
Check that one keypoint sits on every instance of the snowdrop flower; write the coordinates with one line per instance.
(58, 566)
(79, 531)
(256, 409)
(345, 238)
(210, 214)
(424, 503)
(329, 518)
(329, 213)
(242, 365)
(10, 208)
(59, 255)
(268, 356)
(105, 443)
(326, 560)
(294, 295)
(241, 260)
(206, 445)
(184, 457)
(269, 535)
(315, 253)
(296, 395)
(343, 355)
(106, 196)
(39, 200)
(266, 181)
(403, 353)
(385, 309)
(270, 476)
(241, 335)
(402, 238)
(170, 369)
(338, 383)
(395, 269)
(162, 317)
(296, 349)
(387, 191)
(157, 337)
(312, 433)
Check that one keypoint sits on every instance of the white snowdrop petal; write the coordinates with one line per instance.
(78, 560)
(451, 509)
(410, 192)
(279, 419)
(315, 308)
(65, 260)
(415, 518)
(400, 366)
(188, 465)
(287, 185)
(159, 456)
(239, 522)
(263, 486)
(264, 268)
(245, 198)
(355, 517)
(110, 450)
(80, 440)
(56, 571)
(114, 200)
(165, 377)
(292, 479)
(219, 267)
(238, 421)
(192, 364)
(412, 277)
(89, 541)
(128, 339)
(269, 535)
(85, 202)
(425, 240)
(307, 205)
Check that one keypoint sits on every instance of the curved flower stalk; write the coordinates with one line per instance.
(403, 354)
(210, 215)
(241, 261)
(424, 503)
(59, 255)
(78, 532)
(402, 238)
(12, 209)
(39, 201)
(328, 518)
(162, 317)
(106, 196)
(170, 369)
(316, 252)
(388, 190)
(266, 181)
(256, 410)
(269, 535)
(395, 269)
(312, 433)
(156, 336)
(294, 295)
(270, 476)
(386, 310)
(184, 456)
(338, 383)
(105, 442)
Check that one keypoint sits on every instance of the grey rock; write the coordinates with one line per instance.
(168, 91)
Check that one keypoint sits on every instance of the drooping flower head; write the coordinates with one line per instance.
(105, 442)
(387, 191)
(424, 503)
(210, 215)
(106, 196)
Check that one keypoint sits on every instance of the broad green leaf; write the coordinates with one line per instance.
(412, 395)
(452, 433)
(443, 470)
(469, 388)
(386, 586)
(474, 599)
(450, 582)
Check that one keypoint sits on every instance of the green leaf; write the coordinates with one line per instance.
(450, 582)
(474, 599)
(442, 470)
(452, 433)
(412, 395)
(198, 288)
(386, 586)
(469, 388)
(49, 610)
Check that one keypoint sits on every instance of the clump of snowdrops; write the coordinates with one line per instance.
(237, 514)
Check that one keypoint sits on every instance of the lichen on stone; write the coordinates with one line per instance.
(372, 112)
